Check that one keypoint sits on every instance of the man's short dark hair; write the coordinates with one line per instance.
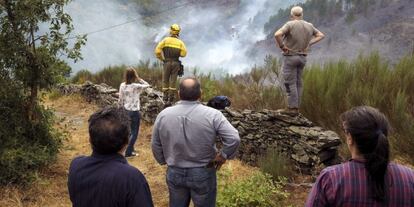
(108, 130)
(190, 92)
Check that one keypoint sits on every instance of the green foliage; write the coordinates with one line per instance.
(29, 55)
(315, 11)
(329, 90)
(253, 90)
(275, 164)
(82, 76)
(209, 85)
(254, 191)
(54, 94)
(322, 11)
(29, 62)
(25, 145)
(336, 87)
(114, 75)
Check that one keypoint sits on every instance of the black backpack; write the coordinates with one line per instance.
(219, 102)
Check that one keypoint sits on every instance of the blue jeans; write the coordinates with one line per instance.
(197, 184)
(135, 117)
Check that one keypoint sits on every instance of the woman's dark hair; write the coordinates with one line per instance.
(369, 129)
(190, 91)
(130, 75)
(108, 130)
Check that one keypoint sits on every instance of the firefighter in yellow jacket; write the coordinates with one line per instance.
(169, 50)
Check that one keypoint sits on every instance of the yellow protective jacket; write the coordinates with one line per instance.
(170, 48)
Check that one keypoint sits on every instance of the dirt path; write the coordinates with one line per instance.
(50, 188)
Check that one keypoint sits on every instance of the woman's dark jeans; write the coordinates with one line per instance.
(135, 117)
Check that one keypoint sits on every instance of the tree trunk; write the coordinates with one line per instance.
(34, 85)
(31, 57)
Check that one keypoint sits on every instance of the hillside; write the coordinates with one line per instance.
(352, 28)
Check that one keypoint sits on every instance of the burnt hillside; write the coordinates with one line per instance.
(352, 27)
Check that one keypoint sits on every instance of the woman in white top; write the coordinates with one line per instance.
(129, 92)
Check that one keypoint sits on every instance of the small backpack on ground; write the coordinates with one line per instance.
(219, 102)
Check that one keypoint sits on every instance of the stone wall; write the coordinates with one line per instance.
(306, 145)
(104, 95)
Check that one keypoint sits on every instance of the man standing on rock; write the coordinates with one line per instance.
(184, 138)
(169, 50)
(295, 39)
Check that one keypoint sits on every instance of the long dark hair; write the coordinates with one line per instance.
(369, 130)
(130, 75)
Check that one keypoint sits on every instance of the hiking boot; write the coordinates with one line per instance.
(289, 111)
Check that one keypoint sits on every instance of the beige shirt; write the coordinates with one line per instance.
(297, 35)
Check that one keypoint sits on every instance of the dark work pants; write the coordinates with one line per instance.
(171, 69)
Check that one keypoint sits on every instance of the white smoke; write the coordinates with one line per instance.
(216, 38)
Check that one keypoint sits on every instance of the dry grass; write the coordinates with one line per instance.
(50, 189)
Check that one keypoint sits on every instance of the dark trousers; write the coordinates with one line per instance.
(135, 117)
(171, 69)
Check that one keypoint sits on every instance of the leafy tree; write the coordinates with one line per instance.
(32, 57)
(30, 61)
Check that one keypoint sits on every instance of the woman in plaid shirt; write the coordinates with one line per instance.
(368, 179)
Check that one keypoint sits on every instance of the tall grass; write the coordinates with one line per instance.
(329, 90)
(336, 87)
(276, 164)
(114, 75)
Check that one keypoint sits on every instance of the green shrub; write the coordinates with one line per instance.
(329, 90)
(54, 94)
(275, 164)
(114, 75)
(82, 76)
(254, 191)
(333, 88)
(25, 145)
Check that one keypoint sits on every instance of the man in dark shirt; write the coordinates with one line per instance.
(105, 178)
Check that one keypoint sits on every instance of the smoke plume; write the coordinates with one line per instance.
(218, 35)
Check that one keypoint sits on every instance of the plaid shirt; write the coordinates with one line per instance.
(347, 185)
